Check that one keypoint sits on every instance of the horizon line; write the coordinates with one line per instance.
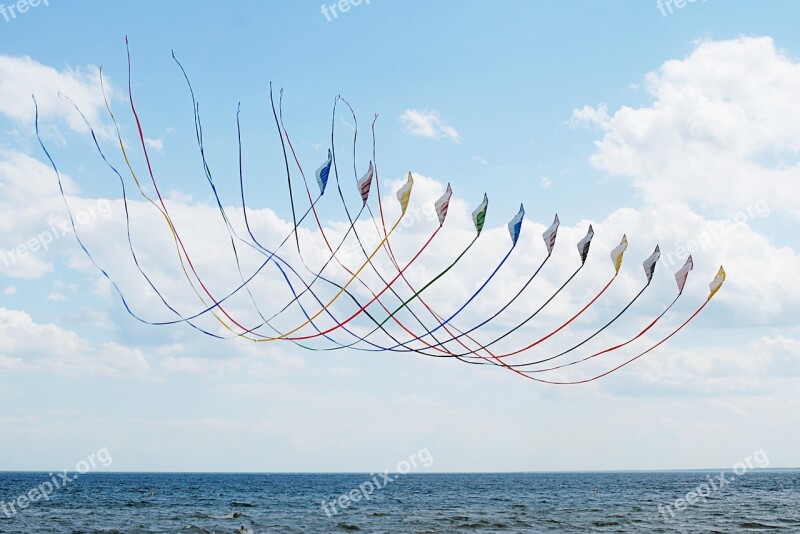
(595, 471)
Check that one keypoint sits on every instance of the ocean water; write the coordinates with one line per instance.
(423, 503)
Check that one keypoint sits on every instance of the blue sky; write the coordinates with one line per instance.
(673, 129)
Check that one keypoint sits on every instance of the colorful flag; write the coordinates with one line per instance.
(619, 250)
(515, 225)
(323, 173)
(550, 235)
(404, 193)
(583, 244)
(365, 183)
(716, 283)
(650, 264)
(443, 204)
(683, 273)
(479, 215)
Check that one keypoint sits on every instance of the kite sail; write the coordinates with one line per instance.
(716, 283)
(618, 252)
(479, 215)
(683, 273)
(365, 183)
(323, 173)
(515, 225)
(649, 264)
(443, 204)
(583, 244)
(404, 193)
(549, 235)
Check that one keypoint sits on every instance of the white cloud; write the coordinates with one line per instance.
(156, 144)
(428, 123)
(259, 363)
(545, 182)
(588, 115)
(9, 290)
(30, 235)
(33, 347)
(20, 77)
(198, 366)
(723, 129)
(21, 179)
(480, 160)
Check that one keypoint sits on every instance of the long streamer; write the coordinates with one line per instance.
(317, 292)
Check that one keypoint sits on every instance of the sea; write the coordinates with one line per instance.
(682, 501)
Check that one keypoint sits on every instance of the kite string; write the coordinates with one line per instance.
(372, 218)
(128, 225)
(610, 349)
(597, 332)
(551, 334)
(161, 199)
(333, 252)
(353, 316)
(695, 314)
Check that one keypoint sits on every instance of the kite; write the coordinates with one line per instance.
(362, 302)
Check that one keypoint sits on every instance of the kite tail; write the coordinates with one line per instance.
(610, 349)
(609, 323)
(620, 366)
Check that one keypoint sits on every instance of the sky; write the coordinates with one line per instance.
(674, 124)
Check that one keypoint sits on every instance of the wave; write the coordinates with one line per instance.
(230, 515)
(759, 526)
